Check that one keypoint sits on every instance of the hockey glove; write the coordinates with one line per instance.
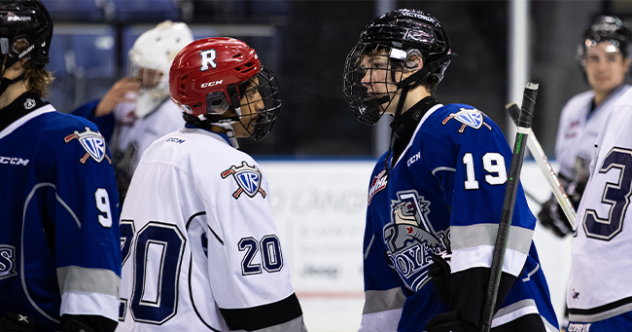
(17, 323)
(449, 322)
(440, 274)
(552, 217)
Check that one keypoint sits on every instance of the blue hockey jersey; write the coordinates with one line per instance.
(60, 240)
(445, 193)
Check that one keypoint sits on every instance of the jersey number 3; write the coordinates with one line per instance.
(616, 195)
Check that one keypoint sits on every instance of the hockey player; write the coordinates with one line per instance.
(599, 289)
(60, 256)
(201, 250)
(604, 59)
(137, 110)
(438, 190)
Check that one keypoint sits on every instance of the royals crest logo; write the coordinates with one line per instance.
(411, 240)
(94, 144)
(469, 118)
(248, 179)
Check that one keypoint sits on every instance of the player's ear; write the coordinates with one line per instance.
(626, 63)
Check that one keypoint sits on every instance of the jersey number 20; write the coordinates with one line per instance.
(158, 253)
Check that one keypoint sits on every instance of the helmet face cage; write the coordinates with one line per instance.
(371, 74)
(260, 103)
(148, 78)
(395, 37)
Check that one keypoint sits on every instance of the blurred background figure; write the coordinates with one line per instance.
(603, 55)
(137, 109)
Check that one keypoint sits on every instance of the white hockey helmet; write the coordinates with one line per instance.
(150, 60)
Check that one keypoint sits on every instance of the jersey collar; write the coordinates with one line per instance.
(232, 141)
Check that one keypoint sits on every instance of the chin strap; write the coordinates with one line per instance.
(5, 82)
(394, 126)
(410, 82)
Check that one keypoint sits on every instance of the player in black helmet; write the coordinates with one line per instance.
(604, 58)
(60, 256)
(438, 192)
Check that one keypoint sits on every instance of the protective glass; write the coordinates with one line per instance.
(260, 103)
(370, 80)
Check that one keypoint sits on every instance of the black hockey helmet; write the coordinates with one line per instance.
(397, 35)
(25, 20)
(606, 28)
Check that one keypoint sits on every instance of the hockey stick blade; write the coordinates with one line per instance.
(545, 167)
(511, 191)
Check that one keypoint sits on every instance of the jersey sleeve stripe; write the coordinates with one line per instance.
(257, 318)
(481, 256)
(77, 303)
(464, 237)
(383, 300)
(380, 321)
(602, 312)
(78, 279)
(514, 311)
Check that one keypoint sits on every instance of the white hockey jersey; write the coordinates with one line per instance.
(577, 131)
(200, 247)
(133, 136)
(600, 286)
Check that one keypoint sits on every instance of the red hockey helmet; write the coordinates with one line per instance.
(213, 79)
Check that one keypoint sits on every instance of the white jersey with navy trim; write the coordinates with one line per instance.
(599, 286)
(200, 247)
(133, 138)
(578, 130)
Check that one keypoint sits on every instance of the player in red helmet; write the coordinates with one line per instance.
(239, 92)
(200, 247)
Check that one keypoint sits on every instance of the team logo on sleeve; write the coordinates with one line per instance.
(94, 144)
(248, 179)
(379, 182)
(469, 118)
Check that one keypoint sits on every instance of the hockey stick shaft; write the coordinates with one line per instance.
(511, 191)
(545, 167)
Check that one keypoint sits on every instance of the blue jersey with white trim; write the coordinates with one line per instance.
(60, 240)
(445, 192)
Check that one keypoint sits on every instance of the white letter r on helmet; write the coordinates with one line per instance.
(208, 58)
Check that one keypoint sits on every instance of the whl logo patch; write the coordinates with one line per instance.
(248, 179)
(94, 144)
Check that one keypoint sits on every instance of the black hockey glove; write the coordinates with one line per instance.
(17, 323)
(552, 217)
(439, 271)
(449, 322)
